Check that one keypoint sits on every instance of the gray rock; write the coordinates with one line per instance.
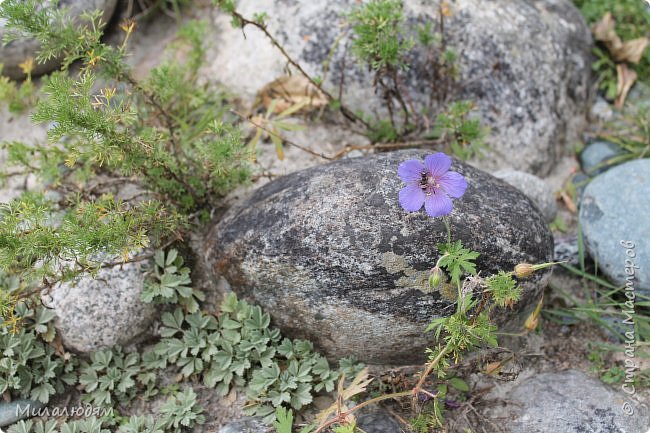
(566, 249)
(614, 219)
(102, 312)
(534, 188)
(571, 402)
(376, 420)
(16, 52)
(17, 410)
(246, 425)
(525, 64)
(594, 157)
(331, 255)
(601, 111)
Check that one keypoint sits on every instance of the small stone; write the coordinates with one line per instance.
(102, 312)
(601, 111)
(534, 188)
(376, 420)
(17, 410)
(614, 220)
(593, 158)
(571, 402)
(332, 256)
(246, 425)
(17, 51)
(566, 249)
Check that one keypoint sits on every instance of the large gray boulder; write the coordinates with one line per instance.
(614, 219)
(571, 402)
(331, 255)
(16, 52)
(101, 312)
(526, 64)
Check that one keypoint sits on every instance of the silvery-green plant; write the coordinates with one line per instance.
(30, 367)
(113, 377)
(181, 411)
(170, 283)
(240, 349)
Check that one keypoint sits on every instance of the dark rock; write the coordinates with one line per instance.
(17, 51)
(16, 410)
(526, 64)
(594, 158)
(329, 252)
(571, 402)
(614, 220)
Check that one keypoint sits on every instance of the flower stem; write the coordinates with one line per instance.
(427, 372)
(445, 219)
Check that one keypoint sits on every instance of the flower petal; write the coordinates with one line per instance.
(453, 183)
(437, 164)
(411, 198)
(438, 205)
(410, 171)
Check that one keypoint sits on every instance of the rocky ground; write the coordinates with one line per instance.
(545, 381)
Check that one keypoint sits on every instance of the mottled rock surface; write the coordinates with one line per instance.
(96, 313)
(332, 256)
(525, 64)
(534, 188)
(16, 52)
(614, 219)
(571, 402)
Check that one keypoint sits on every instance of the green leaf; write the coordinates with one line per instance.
(229, 304)
(171, 257)
(42, 393)
(228, 323)
(159, 258)
(301, 396)
(263, 378)
(174, 321)
(459, 384)
(283, 420)
(457, 260)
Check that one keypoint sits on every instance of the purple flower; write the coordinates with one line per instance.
(431, 184)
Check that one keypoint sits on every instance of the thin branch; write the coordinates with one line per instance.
(262, 27)
(387, 146)
(275, 134)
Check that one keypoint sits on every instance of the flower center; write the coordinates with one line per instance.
(429, 184)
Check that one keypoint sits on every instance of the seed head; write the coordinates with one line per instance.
(436, 278)
(524, 270)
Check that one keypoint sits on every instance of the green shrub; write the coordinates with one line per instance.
(167, 134)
